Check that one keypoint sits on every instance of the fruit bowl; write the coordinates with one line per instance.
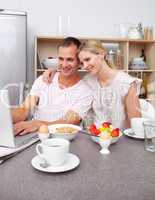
(105, 130)
(113, 139)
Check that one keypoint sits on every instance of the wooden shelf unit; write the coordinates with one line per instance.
(47, 47)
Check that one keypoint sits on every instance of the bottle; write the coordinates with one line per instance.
(148, 33)
(143, 55)
(119, 59)
(143, 92)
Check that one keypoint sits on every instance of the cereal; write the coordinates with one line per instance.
(66, 130)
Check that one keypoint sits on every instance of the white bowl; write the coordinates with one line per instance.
(68, 136)
(50, 62)
(138, 59)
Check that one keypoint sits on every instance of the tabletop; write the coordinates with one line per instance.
(128, 173)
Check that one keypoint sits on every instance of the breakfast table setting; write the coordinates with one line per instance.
(84, 166)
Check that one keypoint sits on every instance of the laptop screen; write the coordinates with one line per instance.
(6, 126)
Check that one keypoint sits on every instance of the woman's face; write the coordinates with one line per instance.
(91, 62)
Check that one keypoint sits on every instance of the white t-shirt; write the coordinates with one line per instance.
(108, 103)
(55, 102)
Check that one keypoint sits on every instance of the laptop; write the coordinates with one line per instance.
(7, 138)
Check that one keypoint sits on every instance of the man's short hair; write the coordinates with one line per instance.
(71, 41)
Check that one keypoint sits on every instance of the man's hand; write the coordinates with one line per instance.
(22, 112)
(24, 127)
(48, 76)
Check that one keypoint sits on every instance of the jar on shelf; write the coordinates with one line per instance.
(115, 59)
(111, 58)
(148, 33)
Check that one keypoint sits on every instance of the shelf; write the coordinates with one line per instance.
(131, 70)
(101, 39)
(141, 41)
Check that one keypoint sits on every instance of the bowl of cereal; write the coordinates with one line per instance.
(66, 131)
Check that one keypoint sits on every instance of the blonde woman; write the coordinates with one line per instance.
(115, 92)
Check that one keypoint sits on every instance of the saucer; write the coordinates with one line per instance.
(129, 132)
(71, 162)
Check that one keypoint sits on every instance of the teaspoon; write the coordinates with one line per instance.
(44, 164)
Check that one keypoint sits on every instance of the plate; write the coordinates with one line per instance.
(129, 132)
(68, 136)
(72, 162)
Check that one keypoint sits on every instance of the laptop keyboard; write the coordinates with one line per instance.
(22, 140)
(28, 140)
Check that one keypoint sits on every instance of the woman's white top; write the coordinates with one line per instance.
(108, 103)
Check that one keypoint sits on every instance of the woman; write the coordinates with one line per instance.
(115, 92)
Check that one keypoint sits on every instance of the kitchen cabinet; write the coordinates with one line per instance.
(128, 49)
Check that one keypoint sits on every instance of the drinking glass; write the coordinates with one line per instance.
(87, 121)
(149, 135)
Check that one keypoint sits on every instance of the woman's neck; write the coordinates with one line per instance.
(106, 75)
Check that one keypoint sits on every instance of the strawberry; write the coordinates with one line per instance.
(94, 130)
(97, 132)
(115, 132)
(106, 124)
(92, 127)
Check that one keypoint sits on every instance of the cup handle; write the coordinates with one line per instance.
(39, 150)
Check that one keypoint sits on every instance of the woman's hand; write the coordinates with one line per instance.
(24, 127)
(48, 76)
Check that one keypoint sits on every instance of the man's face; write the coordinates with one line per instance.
(68, 60)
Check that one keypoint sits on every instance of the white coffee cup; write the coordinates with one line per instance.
(137, 125)
(53, 150)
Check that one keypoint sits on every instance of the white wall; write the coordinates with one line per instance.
(97, 18)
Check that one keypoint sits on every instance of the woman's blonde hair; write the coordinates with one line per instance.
(93, 46)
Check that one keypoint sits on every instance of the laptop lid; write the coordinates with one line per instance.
(6, 125)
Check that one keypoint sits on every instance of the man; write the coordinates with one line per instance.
(66, 100)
